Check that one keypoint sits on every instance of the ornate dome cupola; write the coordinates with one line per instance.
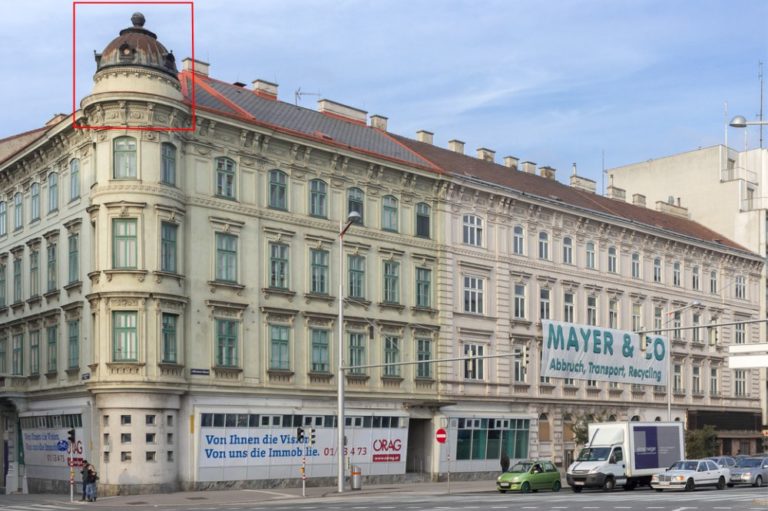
(135, 61)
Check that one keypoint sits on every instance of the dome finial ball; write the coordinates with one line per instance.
(138, 19)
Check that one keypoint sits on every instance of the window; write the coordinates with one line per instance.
(356, 202)
(423, 220)
(150, 438)
(17, 280)
(657, 269)
(125, 420)
(280, 358)
(73, 346)
(17, 355)
(658, 321)
(124, 149)
(34, 202)
(568, 312)
(391, 356)
(485, 439)
(612, 263)
(225, 178)
(635, 265)
(226, 257)
(168, 164)
(356, 352)
(473, 294)
(741, 287)
(677, 384)
(713, 282)
(3, 354)
(53, 350)
(74, 257)
(319, 273)
(53, 192)
(278, 266)
(423, 287)
(34, 352)
(226, 343)
(473, 230)
(696, 380)
(567, 250)
(52, 268)
(713, 382)
(676, 280)
(168, 237)
(318, 198)
(519, 302)
(423, 353)
(544, 304)
(170, 349)
(125, 336)
(18, 211)
(34, 272)
(590, 249)
(696, 324)
(125, 438)
(3, 284)
(740, 383)
(676, 324)
(74, 179)
(473, 367)
(613, 314)
(543, 245)
(3, 218)
(518, 240)
(636, 317)
(518, 366)
(592, 310)
(278, 188)
(695, 278)
(124, 243)
(320, 359)
(356, 265)
(740, 335)
(389, 213)
(391, 282)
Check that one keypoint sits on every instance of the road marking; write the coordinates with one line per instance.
(721, 507)
(271, 493)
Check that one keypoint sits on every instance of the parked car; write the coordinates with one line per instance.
(752, 471)
(724, 461)
(530, 475)
(688, 474)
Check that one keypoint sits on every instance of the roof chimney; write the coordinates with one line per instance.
(485, 154)
(379, 122)
(529, 167)
(511, 162)
(265, 89)
(582, 183)
(614, 192)
(638, 199)
(547, 172)
(341, 111)
(457, 146)
(424, 136)
(201, 67)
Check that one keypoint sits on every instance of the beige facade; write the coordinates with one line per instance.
(184, 325)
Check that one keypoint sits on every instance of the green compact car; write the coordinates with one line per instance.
(529, 475)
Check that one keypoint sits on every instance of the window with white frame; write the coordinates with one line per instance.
(125, 243)
(714, 382)
(544, 303)
(592, 310)
(52, 335)
(473, 367)
(696, 324)
(34, 202)
(473, 294)
(677, 323)
(391, 282)
(320, 355)
(635, 265)
(657, 272)
(227, 342)
(279, 358)
(568, 308)
(226, 257)
(423, 353)
(613, 314)
(696, 379)
(53, 192)
(695, 278)
(473, 230)
(389, 213)
(658, 319)
(74, 257)
(357, 352)
(125, 340)
(423, 287)
(391, 355)
(319, 272)
(225, 178)
(34, 272)
(677, 384)
(542, 378)
(740, 383)
(278, 189)
(518, 240)
(740, 336)
(612, 260)
(636, 317)
(590, 255)
(124, 158)
(52, 267)
(17, 355)
(170, 348)
(740, 286)
(519, 302)
(567, 250)
(74, 179)
(278, 266)
(356, 276)
(519, 372)
(318, 198)
(168, 164)
(713, 282)
(676, 278)
(18, 211)
(168, 246)
(543, 245)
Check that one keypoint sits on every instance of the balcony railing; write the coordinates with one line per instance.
(738, 173)
(754, 203)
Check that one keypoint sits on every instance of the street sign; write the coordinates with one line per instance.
(62, 445)
(441, 436)
(748, 356)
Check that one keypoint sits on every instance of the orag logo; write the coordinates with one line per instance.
(385, 445)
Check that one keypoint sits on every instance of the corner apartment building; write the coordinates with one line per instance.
(172, 295)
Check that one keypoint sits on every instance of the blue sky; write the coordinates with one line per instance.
(551, 82)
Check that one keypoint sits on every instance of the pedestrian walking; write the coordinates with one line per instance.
(84, 475)
(504, 462)
(91, 478)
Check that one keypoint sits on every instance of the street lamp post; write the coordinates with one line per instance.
(351, 218)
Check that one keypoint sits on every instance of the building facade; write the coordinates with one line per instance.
(171, 296)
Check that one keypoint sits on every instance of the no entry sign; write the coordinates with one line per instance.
(441, 435)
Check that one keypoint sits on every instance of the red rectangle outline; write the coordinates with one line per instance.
(136, 128)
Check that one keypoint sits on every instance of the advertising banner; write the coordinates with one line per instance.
(585, 352)
(47, 452)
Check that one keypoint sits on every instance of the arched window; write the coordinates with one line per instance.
(612, 262)
(168, 164)
(389, 213)
(567, 250)
(34, 202)
(53, 192)
(611, 418)
(473, 230)
(124, 158)
(318, 198)
(278, 189)
(518, 240)
(590, 263)
(74, 179)
(635, 418)
(225, 178)
(423, 220)
(543, 245)
(356, 202)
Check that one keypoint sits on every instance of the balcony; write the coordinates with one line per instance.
(738, 173)
(754, 203)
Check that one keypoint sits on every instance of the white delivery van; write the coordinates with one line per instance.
(625, 454)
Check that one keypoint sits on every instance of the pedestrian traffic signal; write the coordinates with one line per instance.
(526, 356)
(300, 435)
(312, 436)
(71, 436)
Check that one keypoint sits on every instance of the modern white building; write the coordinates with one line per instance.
(168, 291)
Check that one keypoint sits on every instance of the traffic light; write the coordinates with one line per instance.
(312, 436)
(526, 355)
(300, 435)
(712, 335)
(71, 436)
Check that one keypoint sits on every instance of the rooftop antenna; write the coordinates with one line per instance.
(299, 94)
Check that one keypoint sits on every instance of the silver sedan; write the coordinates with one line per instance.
(752, 471)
